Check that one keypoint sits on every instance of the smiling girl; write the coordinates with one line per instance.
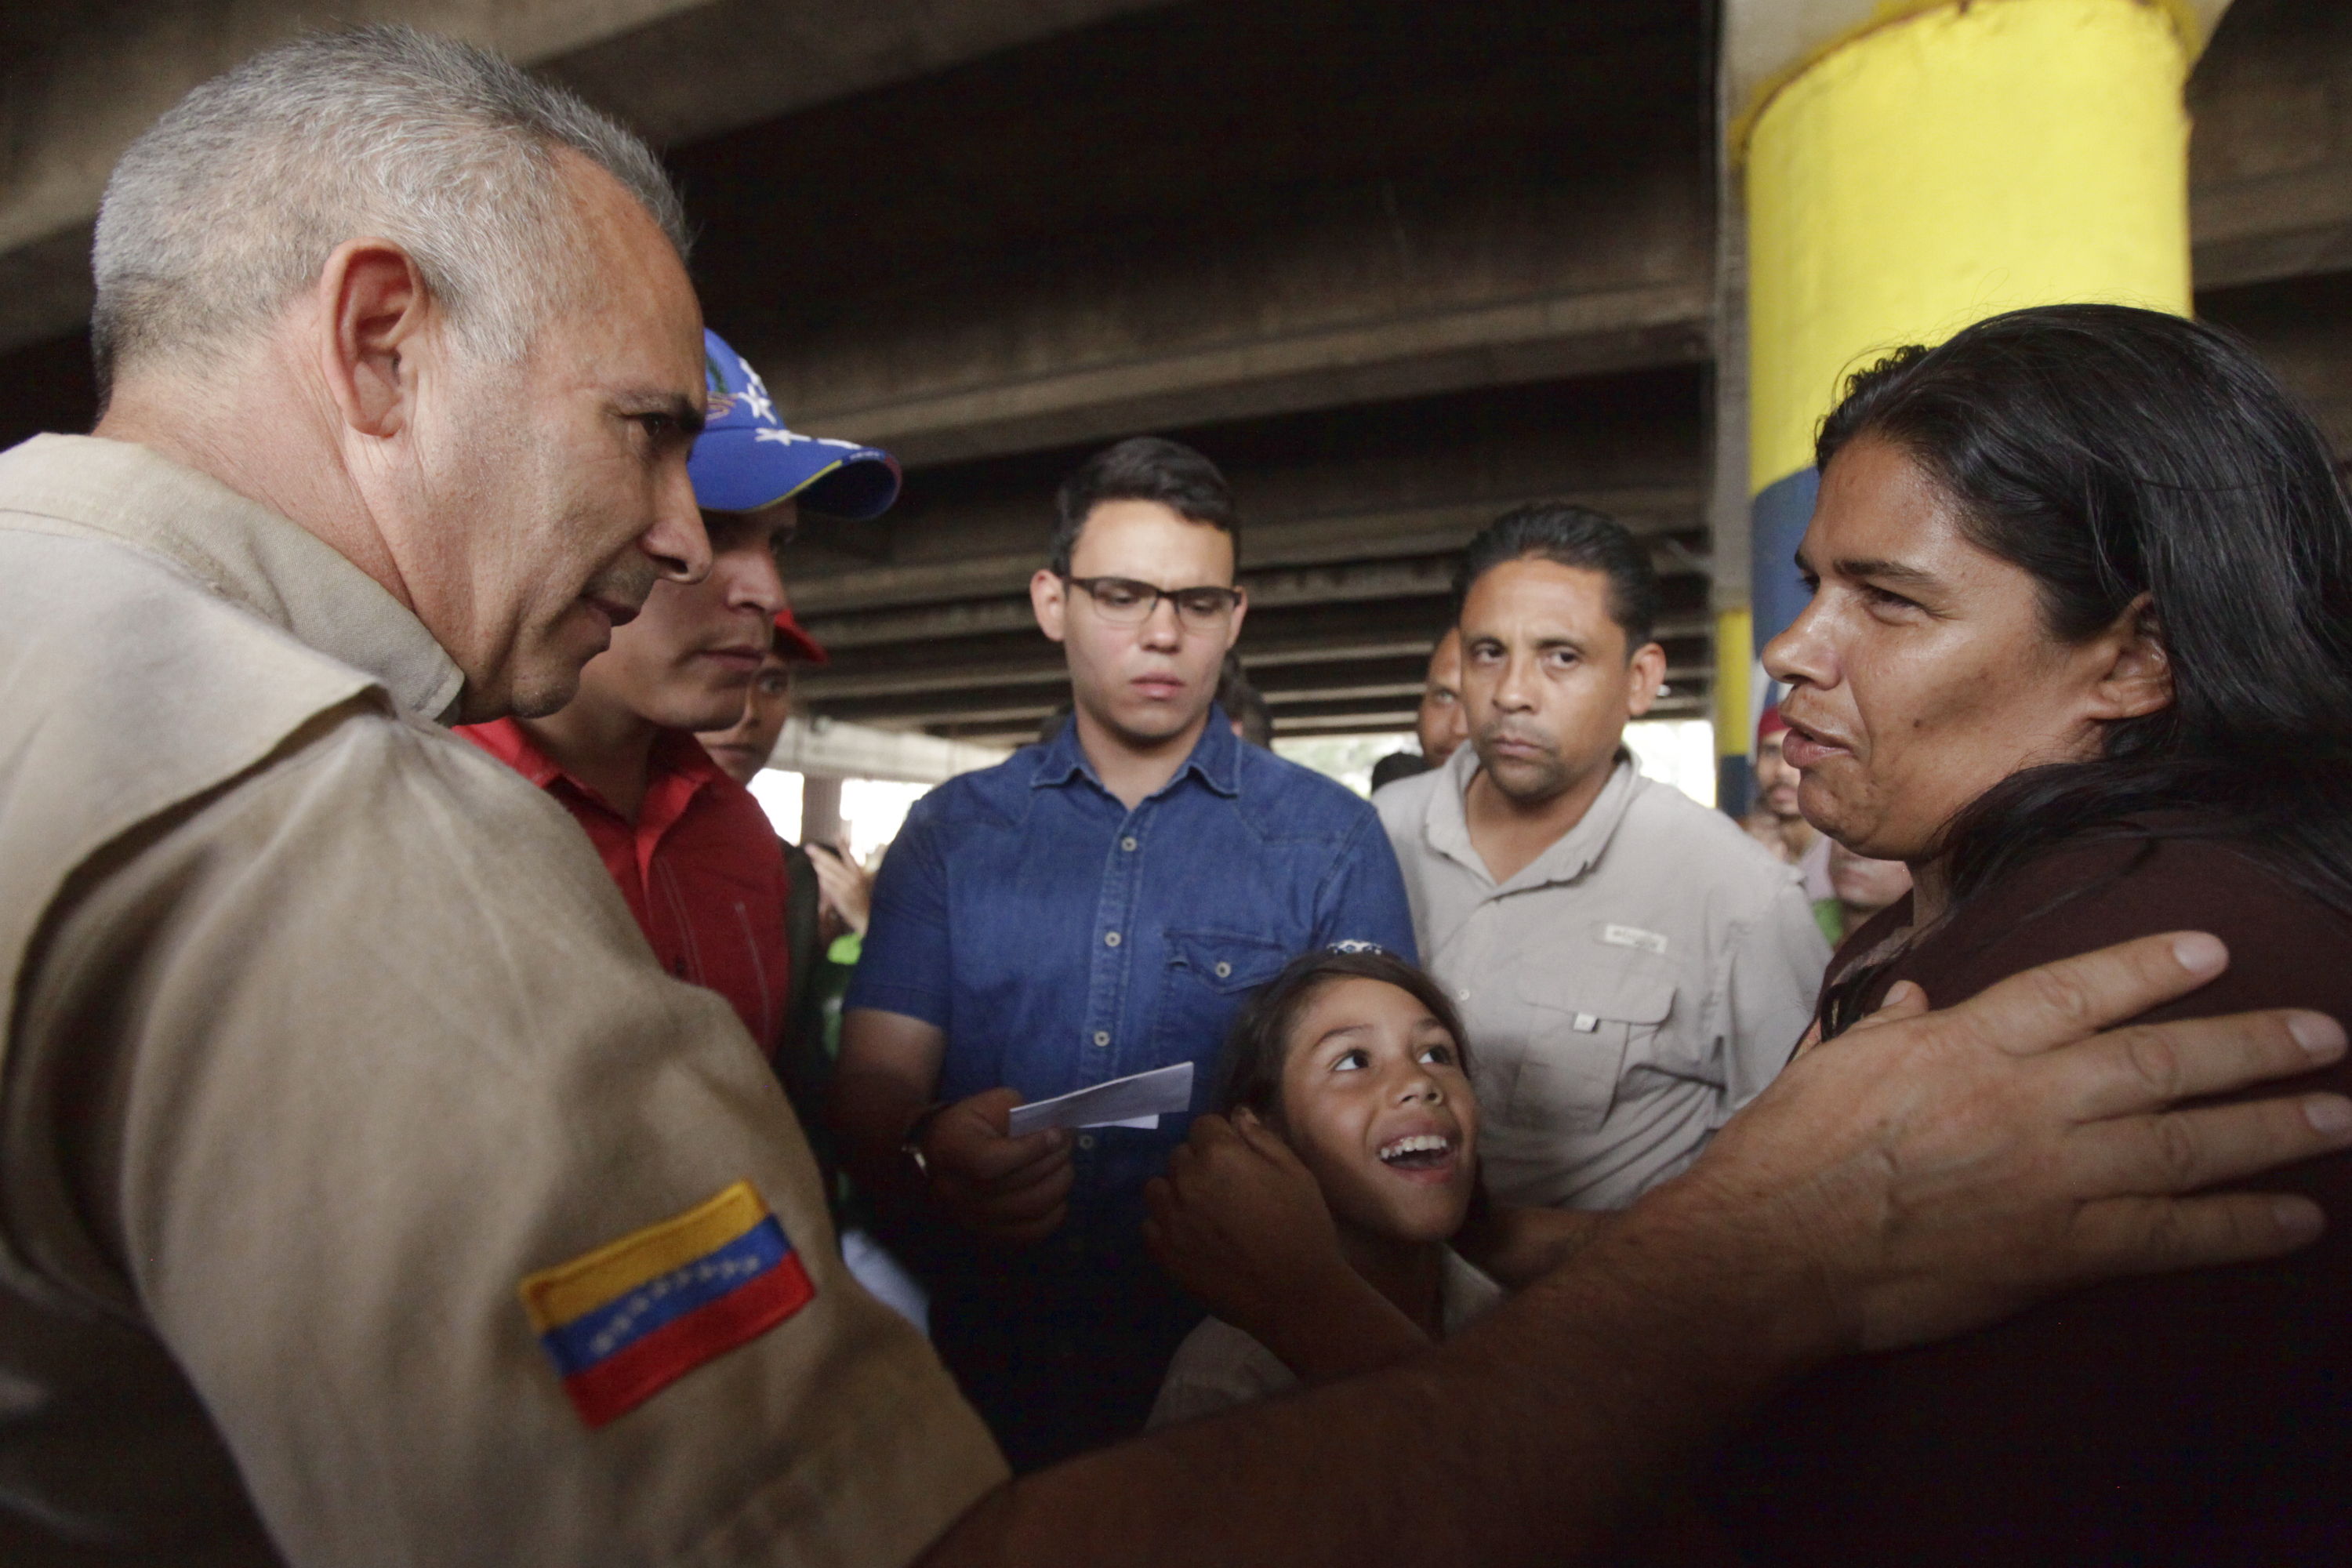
(1356, 1060)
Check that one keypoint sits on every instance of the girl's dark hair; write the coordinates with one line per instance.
(2111, 453)
(1250, 1072)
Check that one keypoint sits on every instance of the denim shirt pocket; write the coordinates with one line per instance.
(1591, 1024)
(1207, 975)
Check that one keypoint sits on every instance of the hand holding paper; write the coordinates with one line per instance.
(1136, 1101)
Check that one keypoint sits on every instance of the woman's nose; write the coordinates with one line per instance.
(1801, 655)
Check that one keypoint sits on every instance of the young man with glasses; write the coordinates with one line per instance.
(1095, 907)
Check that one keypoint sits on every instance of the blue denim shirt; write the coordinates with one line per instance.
(1061, 939)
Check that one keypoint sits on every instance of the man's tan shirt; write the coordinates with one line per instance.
(325, 1032)
(1624, 993)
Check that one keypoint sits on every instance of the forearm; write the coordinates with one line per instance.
(1543, 1423)
(871, 1113)
(1518, 1246)
(889, 1073)
(1338, 1326)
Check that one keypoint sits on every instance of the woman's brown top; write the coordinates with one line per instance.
(2201, 1419)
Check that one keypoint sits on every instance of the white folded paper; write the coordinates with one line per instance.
(1136, 1101)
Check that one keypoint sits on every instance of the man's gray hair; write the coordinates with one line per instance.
(230, 205)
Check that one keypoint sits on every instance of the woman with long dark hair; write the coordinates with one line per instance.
(2080, 653)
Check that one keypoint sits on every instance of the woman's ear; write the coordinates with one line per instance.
(2139, 676)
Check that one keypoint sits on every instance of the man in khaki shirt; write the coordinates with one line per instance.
(337, 1066)
(1630, 967)
(368, 1195)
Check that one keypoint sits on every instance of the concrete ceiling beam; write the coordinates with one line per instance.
(79, 83)
(1398, 356)
(2271, 159)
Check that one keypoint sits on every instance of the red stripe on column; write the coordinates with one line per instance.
(629, 1377)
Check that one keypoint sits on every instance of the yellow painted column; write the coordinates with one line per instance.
(1735, 645)
(1937, 164)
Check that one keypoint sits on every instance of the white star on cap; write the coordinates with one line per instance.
(779, 435)
(755, 395)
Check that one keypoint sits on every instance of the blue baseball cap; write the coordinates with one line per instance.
(745, 458)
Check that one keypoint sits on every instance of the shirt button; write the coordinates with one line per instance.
(1127, 844)
(1111, 938)
(1102, 1037)
(1224, 971)
(1461, 995)
(1085, 1140)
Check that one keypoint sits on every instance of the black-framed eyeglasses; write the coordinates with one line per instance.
(1124, 602)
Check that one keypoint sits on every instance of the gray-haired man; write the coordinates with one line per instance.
(368, 1194)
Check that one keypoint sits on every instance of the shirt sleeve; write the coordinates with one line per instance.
(1772, 972)
(905, 964)
(1363, 898)
(1217, 1368)
(376, 1044)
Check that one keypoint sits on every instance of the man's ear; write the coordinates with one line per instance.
(1241, 610)
(1645, 673)
(1049, 598)
(373, 308)
(2137, 679)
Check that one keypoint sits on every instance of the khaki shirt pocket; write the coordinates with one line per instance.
(1587, 1027)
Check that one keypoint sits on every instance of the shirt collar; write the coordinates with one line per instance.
(1215, 758)
(1445, 822)
(676, 769)
(1063, 759)
(238, 549)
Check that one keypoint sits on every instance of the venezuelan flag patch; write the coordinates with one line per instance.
(635, 1315)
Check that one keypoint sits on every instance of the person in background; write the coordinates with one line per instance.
(1439, 727)
(1633, 967)
(691, 851)
(1089, 909)
(1245, 708)
(1863, 885)
(827, 893)
(742, 749)
(832, 894)
(824, 922)
(1443, 724)
(1777, 823)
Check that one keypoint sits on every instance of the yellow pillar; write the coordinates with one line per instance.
(1936, 164)
(1735, 642)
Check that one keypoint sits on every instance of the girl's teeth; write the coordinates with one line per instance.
(1418, 1143)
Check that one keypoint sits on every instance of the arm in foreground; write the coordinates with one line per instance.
(1516, 1244)
(1913, 1179)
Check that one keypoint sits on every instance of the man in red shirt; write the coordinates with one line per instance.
(691, 851)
